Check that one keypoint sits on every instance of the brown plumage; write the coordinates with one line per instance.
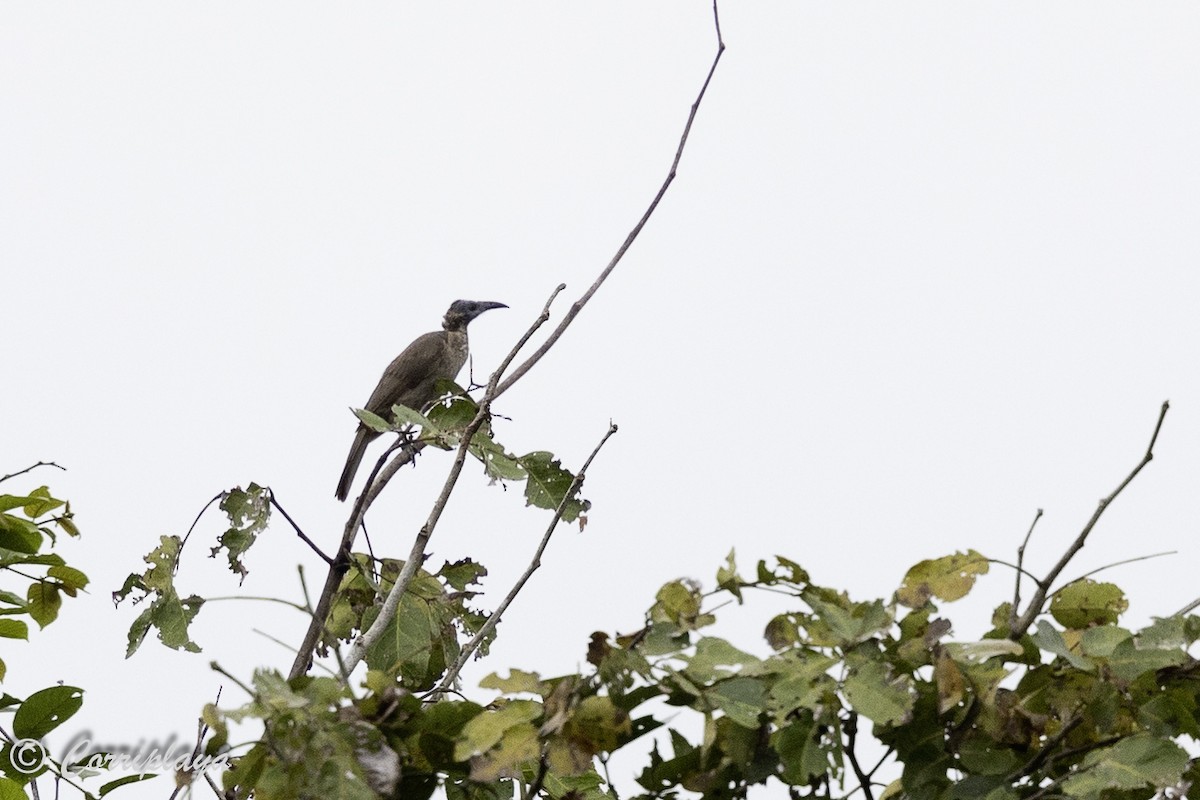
(409, 380)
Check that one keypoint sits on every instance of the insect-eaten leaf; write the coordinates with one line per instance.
(548, 484)
(249, 512)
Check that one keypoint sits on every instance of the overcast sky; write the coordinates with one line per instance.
(926, 268)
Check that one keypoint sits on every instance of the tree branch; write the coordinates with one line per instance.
(494, 620)
(864, 780)
(578, 305)
(31, 469)
(496, 388)
(1016, 603)
(1043, 587)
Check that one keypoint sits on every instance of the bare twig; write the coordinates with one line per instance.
(1120, 563)
(578, 305)
(1016, 603)
(1189, 607)
(31, 469)
(1043, 586)
(1017, 568)
(338, 568)
(494, 619)
(196, 522)
(296, 528)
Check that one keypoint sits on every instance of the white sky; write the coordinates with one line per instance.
(926, 268)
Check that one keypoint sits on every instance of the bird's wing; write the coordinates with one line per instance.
(407, 371)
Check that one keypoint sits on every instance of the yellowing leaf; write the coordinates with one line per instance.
(948, 578)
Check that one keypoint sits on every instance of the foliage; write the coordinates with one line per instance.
(29, 525)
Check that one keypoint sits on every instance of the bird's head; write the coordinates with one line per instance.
(463, 311)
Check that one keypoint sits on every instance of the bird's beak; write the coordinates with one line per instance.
(487, 305)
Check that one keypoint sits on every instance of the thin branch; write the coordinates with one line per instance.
(261, 599)
(338, 568)
(31, 469)
(1019, 569)
(1189, 607)
(578, 305)
(1121, 563)
(1043, 587)
(1046, 751)
(296, 528)
(494, 619)
(864, 780)
(1016, 603)
(196, 522)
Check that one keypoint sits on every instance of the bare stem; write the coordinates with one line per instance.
(341, 560)
(494, 620)
(31, 469)
(578, 305)
(1016, 603)
(1043, 586)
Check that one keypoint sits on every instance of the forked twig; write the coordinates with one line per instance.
(1043, 586)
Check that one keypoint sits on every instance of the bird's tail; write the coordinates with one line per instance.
(357, 450)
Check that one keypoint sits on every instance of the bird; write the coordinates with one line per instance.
(411, 377)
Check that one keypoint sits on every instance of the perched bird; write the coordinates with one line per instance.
(409, 380)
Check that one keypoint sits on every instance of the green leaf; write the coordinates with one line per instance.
(408, 416)
(70, 577)
(847, 622)
(548, 483)
(11, 790)
(19, 535)
(717, 658)
(517, 681)
(14, 629)
(1049, 639)
(879, 696)
(485, 731)
(497, 463)
(45, 710)
(728, 578)
(128, 779)
(461, 574)
(372, 421)
(1128, 662)
(517, 747)
(742, 700)
(1086, 602)
(44, 602)
(249, 513)
(1132, 763)
(949, 578)
(800, 752)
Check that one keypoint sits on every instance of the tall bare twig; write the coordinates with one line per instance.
(341, 561)
(1043, 586)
